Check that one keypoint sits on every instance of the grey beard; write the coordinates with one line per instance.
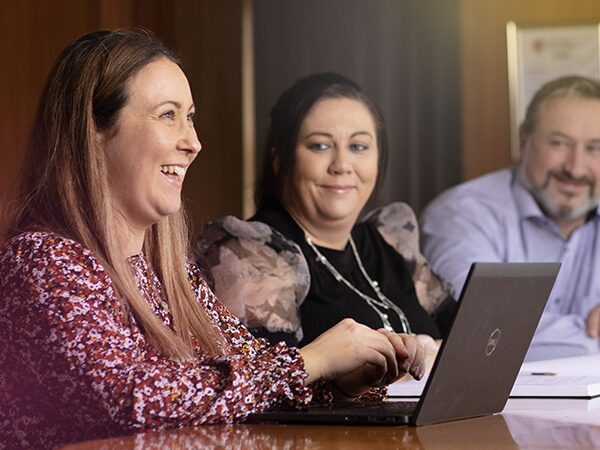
(550, 208)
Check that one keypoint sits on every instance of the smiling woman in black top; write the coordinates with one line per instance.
(304, 262)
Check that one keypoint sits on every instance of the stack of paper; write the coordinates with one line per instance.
(541, 384)
(551, 404)
(578, 365)
(577, 377)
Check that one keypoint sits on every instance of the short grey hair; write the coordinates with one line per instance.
(560, 87)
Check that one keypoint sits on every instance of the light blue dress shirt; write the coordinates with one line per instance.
(494, 218)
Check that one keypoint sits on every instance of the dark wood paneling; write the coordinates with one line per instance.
(32, 33)
(205, 33)
(208, 38)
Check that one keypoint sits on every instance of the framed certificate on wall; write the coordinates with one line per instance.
(538, 53)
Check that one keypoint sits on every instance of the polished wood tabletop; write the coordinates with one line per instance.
(553, 427)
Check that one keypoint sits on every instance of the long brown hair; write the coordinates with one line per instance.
(63, 185)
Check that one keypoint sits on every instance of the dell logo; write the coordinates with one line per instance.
(492, 342)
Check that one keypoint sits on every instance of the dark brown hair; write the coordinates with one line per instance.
(286, 119)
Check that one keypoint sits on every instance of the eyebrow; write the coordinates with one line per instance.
(175, 104)
(560, 134)
(566, 136)
(329, 135)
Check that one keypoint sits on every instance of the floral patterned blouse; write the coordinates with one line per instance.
(74, 367)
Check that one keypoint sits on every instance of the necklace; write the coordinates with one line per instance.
(382, 302)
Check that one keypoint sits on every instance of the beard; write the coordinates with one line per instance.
(548, 203)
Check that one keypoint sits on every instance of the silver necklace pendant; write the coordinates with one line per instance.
(386, 323)
(376, 304)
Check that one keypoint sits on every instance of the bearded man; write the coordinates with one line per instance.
(545, 209)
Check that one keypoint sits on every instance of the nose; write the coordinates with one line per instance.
(188, 141)
(340, 162)
(576, 164)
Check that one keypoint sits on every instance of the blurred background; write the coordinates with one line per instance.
(437, 69)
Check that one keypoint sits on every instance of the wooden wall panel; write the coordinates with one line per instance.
(31, 36)
(204, 32)
(484, 85)
(208, 38)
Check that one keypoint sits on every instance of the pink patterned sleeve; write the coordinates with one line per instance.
(244, 343)
(72, 347)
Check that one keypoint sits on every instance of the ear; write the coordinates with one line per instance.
(101, 137)
(523, 138)
(98, 141)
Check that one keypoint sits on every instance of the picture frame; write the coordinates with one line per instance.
(540, 52)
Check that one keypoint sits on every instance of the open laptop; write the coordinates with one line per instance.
(478, 362)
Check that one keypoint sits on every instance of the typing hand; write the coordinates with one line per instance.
(431, 349)
(350, 347)
(409, 355)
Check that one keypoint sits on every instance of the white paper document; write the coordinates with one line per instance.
(412, 388)
(578, 365)
(551, 404)
(528, 385)
(577, 377)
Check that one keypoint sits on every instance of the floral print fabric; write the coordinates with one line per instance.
(75, 367)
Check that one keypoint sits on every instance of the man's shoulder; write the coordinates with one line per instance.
(491, 188)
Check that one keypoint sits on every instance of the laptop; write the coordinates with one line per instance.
(477, 364)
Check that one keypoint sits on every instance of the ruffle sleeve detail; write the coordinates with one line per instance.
(261, 276)
(397, 225)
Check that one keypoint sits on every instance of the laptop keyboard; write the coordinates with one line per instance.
(401, 407)
(385, 413)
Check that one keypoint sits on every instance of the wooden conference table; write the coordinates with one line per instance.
(555, 425)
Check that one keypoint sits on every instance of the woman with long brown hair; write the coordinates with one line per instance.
(105, 327)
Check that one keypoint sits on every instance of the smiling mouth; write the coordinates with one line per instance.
(565, 178)
(572, 188)
(338, 189)
(173, 170)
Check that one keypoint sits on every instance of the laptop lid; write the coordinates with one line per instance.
(495, 319)
(478, 362)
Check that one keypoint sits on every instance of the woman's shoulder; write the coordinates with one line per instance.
(227, 227)
(43, 253)
(247, 238)
(43, 244)
(397, 225)
(259, 274)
